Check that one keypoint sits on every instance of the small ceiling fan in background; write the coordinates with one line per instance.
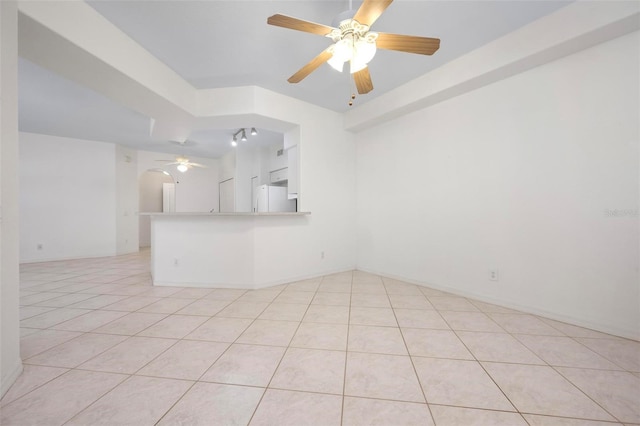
(354, 43)
(183, 142)
(183, 164)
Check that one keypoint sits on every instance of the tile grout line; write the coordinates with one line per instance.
(346, 353)
(585, 394)
(255, 410)
(535, 365)
(475, 358)
(415, 371)
(97, 399)
(67, 341)
(555, 368)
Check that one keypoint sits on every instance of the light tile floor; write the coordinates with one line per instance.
(102, 346)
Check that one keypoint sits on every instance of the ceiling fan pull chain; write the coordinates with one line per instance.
(353, 94)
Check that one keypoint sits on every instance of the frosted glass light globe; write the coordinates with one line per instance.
(362, 55)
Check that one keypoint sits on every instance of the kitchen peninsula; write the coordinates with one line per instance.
(224, 250)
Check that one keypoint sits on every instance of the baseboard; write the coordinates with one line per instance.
(7, 381)
(288, 280)
(242, 286)
(54, 259)
(627, 334)
(252, 286)
(130, 251)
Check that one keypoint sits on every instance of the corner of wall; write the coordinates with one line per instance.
(10, 362)
(9, 377)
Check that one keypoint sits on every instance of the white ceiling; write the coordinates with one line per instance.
(214, 44)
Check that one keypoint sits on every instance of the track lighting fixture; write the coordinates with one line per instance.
(243, 135)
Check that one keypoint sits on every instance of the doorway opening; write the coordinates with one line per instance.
(157, 191)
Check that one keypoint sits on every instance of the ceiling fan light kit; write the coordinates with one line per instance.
(354, 43)
(183, 164)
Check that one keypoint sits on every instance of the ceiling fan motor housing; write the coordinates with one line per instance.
(350, 28)
(343, 16)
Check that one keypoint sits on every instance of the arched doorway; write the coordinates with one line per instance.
(157, 194)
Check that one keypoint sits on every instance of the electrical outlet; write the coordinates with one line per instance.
(175, 262)
(39, 246)
(493, 274)
(321, 255)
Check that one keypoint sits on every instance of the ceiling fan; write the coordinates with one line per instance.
(183, 142)
(354, 43)
(183, 164)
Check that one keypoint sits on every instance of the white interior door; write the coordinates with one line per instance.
(227, 196)
(168, 197)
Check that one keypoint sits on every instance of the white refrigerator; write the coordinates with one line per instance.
(272, 199)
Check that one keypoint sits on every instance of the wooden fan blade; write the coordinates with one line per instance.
(363, 81)
(371, 10)
(406, 43)
(197, 165)
(298, 24)
(311, 66)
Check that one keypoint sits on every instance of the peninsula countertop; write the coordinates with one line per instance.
(214, 214)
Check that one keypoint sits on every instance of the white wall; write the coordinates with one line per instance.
(261, 167)
(126, 200)
(521, 176)
(276, 162)
(10, 363)
(245, 159)
(79, 198)
(67, 198)
(327, 189)
(227, 166)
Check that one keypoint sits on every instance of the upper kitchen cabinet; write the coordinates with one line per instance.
(284, 168)
(279, 177)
